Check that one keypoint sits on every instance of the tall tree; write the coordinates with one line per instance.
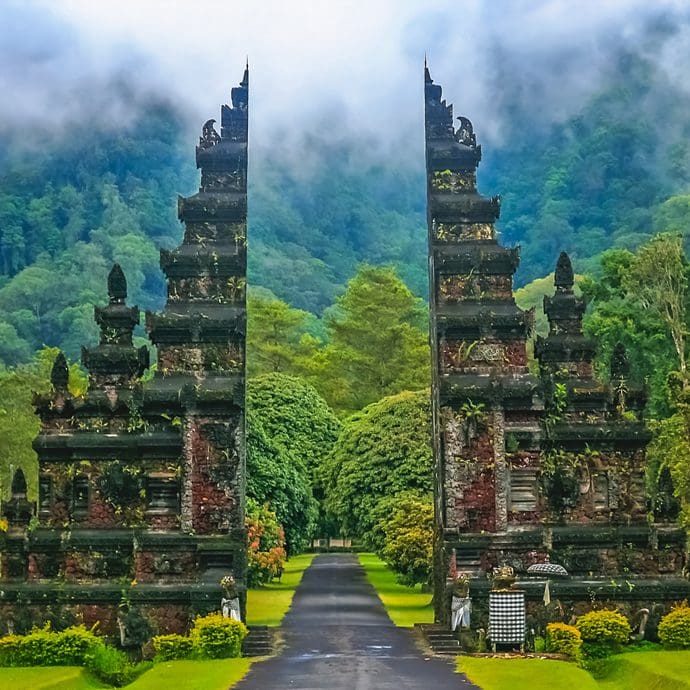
(378, 342)
(274, 336)
(658, 280)
(382, 452)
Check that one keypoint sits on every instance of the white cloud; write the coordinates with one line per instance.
(361, 62)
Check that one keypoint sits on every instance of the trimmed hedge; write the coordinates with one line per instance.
(75, 646)
(674, 628)
(563, 639)
(216, 637)
(44, 647)
(173, 647)
(603, 632)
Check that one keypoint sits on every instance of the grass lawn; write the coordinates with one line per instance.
(634, 671)
(525, 674)
(268, 604)
(193, 675)
(405, 605)
(180, 675)
(647, 671)
(48, 678)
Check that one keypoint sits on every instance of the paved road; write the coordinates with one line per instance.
(339, 637)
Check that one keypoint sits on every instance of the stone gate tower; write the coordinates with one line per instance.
(537, 462)
(142, 483)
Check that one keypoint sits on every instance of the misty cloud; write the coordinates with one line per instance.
(332, 70)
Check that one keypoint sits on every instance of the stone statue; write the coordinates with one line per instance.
(465, 133)
(231, 608)
(460, 602)
(230, 603)
(209, 136)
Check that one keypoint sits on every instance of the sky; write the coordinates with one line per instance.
(332, 67)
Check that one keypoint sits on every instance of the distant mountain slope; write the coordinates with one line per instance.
(72, 205)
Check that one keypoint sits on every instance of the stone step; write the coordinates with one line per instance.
(439, 638)
(259, 641)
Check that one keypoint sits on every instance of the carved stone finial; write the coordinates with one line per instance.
(209, 136)
(620, 367)
(117, 284)
(59, 376)
(564, 278)
(19, 483)
(465, 132)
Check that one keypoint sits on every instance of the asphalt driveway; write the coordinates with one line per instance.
(338, 636)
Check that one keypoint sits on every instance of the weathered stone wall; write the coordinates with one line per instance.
(213, 482)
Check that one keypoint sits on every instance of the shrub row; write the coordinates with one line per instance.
(75, 646)
(674, 628)
(598, 634)
(44, 647)
(212, 637)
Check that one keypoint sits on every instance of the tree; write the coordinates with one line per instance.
(408, 539)
(382, 451)
(614, 315)
(378, 342)
(274, 331)
(276, 479)
(295, 417)
(658, 281)
(297, 420)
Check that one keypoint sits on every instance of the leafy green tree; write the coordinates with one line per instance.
(658, 281)
(274, 336)
(382, 451)
(276, 479)
(377, 340)
(408, 539)
(297, 420)
(614, 316)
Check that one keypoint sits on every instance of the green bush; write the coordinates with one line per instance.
(563, 639)
(674, 628)
(113, 667)
(409, 538)
(172, 647)
(216, 637)
(603, 632)
(44, 647)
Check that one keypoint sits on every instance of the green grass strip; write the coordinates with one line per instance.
(405, 605)
(647, 671)
(219, 674)
(268, 604)
(525, 674)
(48, 678)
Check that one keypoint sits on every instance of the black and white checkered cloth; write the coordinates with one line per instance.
(507, 617)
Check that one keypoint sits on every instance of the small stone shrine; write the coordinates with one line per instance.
(528, 466)
(141, 484)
